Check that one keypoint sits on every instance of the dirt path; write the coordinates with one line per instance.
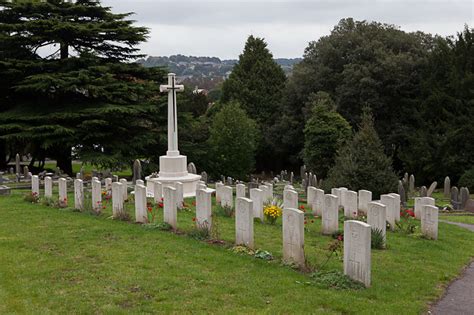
(459, 297)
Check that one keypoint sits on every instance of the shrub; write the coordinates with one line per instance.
(226, 211)
(407, 223)
(377, 239)
(200, 231)
(335, 280)
(324, 133)
(362, 163)
(467, 179)
(31, 197)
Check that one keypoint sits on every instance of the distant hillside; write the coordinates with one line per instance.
(205, 72)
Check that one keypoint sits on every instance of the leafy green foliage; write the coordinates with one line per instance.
(377, 239)
(467, 179)
(325, 131)
(362, 163)
(335, 280)
(232, 142)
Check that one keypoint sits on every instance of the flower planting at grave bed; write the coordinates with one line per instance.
(272, 213)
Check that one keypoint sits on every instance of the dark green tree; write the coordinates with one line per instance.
(67, 84)
(362, 163)
(232, 142)
(257, 82)
(324, 133)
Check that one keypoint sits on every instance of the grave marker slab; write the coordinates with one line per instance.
(390, 201)
(124, 183)
(140, 204)
(397, 206)
(117, 200)
(96, 196)
(318, 204)
(63, 191)
(78, 194)
(365, 197)
(429, 221)
(35, 185)
(293, 236)
(330, 215)
(357, 255)
(256, 195)
(179, 195)
(157, 192)
(240, 190)
(350, 203)
(244, 222)
(420, 202)
(377, 217)
(227, 198)
(48, 187)
(169, 206)
(290, 199)
(203, 209)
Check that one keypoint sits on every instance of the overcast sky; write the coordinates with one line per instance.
(220, 28)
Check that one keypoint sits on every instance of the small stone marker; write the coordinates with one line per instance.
(447, 187)
(455, 197)
(293, 236)
(292, 177)
(390, 202)
(318, 204)
(431, 189)
(26, 172)
(140, 204)
(78, 194)
(357, 255)
(117, 199)
(219, 186)
(240, 190)
(96, 195)
(204, 177)
(256, 195)
(115, 178)
(464, 197)
(420, 202)
(244, 222)
(377, 217)
(137, 171)
(401, 192)
(140, 182)
(227, 197)
(179, 195)
(429, 221)
(411, 183)
(350, 204)
(330, 215)
(365, 197)
(397, 206)
(48, 187)
(203, 209)
(124, 183)
(290, 199)
(17, 164)
(169, 206)
(157, 192)
(35, 185)
(423, 191)
(63, 191)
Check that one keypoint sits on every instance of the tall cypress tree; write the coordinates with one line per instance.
(257, 82)
(83, 96)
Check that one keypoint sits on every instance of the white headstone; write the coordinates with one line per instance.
(290, 199)
(140, 204)
(78, 194)
(270, 190)
(227, 198)
(429, 221)
(48, 187)
(157, 191)
(390, 202)
(62, 190)
(124, 183)
(257, 195)
(397, 206)
(219, 186)
(365, 197)
(330, 215)
(244, 222)
(311, 196)
(266, 192)
(338, 193)
(117, 199)
(343, 196)
(239, 190)
(350, 203)
(420, 202)
(179, 195)
(96, 195)
(357, 255)
(35, 185)
(203, 209)
(108, 185)
(201, 186)
(169, 206)
(377, 217)
(318, 204)
(293, 236)
(139, 182)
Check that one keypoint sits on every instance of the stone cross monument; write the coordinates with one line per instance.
(173, 165)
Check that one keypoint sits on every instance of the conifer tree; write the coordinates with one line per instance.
(362, 163)
(67, 84)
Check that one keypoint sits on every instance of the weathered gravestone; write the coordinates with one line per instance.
(78, 194)
(219, 186)
(330, 215)
(244, 222)
(203, 209)
(204, 177)
(397, 206)
(429, 221)
(48, 187)
(117, 200)
(365, 197)
(108, 185)
(318, 203)
(411, 184)
(227, 197)
(192, 168)
(455, 198)
(124, 183)
(431, 189)
(157, 192)
(169, 206)
(401, 192)
(240, 190)
(35, 185)
(140, 182)
(26, 172)
(179, 195)
(96, 195)
(311, 196)
(292, 177)
(357, 255)
(420, 202)
(137, 171)
(140, 204)
(338, 193)
(293, 236)
(290, 199)
(350, 204)
(390, 202)
(377, 217)
(464, 197)
(115, 178)
(447, 187)
(63, 191)
(17, 164)
(423, 191)
(257, 196)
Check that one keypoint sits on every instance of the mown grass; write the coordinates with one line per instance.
(62, 261)
(469, 219)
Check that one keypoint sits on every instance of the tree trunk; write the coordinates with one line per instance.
(64, 159)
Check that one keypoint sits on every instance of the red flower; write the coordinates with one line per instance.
(194, 203)
(194, 219)
(150, 209)
(339, 238)
(162, 199)
(103, 207)
(302, 207)
(160, 205)
(305, 222)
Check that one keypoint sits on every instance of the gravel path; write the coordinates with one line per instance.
(459, 297)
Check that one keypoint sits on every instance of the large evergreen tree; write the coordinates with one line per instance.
(257, 82)
(83, 93)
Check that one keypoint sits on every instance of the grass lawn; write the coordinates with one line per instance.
(58, 260)
(469, 219)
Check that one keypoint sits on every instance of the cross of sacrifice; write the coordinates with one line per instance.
(172, 88)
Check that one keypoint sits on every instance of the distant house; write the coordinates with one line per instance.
(200, 91)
